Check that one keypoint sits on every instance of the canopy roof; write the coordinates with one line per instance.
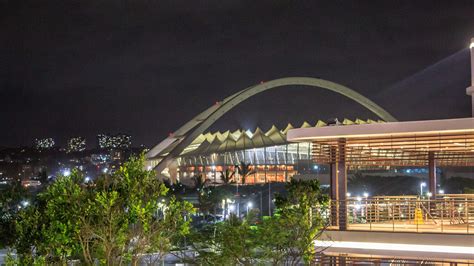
(217, 142)
(449, 142)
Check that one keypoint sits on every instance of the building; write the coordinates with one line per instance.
(431, 224)
(271, 157)
(118, 141)
(76, 144)
(44, 144)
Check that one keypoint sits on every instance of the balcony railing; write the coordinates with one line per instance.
(452, 214)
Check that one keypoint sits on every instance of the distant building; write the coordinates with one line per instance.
(44, 144)
(76, 144)
(119, 141)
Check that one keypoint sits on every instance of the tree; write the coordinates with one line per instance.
(231, 242)
(302, 211)
(244, 171)
(114, 221)
(285, 238)
(200, 182)
(227, 176)
(51, 226)
(11, 197)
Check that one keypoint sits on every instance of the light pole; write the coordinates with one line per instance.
(269, 199)
(249, 205)
(422, 184)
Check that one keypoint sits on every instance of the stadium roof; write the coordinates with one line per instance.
(219, 142)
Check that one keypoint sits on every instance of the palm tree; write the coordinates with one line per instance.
(200, 182)
(244, 170)
(227, 176)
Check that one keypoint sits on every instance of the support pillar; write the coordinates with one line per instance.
(432, 174)
(342, 183)
(338, 180)
(334, 193)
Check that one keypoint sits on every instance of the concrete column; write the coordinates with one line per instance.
(432, 174)
(342, 183)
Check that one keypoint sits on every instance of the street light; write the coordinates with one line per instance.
(422, 184)
(429, 194)
(249, 205)
(441, 191)
(25, 203)
(366, 194)
(66, 172)
(348, 194)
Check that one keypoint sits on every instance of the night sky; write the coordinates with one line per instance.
(144, 67)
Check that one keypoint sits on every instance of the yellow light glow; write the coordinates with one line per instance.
(395, 247)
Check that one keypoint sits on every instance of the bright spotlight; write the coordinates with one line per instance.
(366, 194)
(66, 172)
(25, 203)
(441, 191)
(87, 179)
(429, 194)
(348, 194)
(249, 204)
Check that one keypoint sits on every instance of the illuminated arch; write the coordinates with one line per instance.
(180, 139)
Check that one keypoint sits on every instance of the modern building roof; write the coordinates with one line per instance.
(370, 129)
(449, 141)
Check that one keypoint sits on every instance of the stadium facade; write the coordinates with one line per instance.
(271, 157)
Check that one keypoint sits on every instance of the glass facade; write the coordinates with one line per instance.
(270, 164)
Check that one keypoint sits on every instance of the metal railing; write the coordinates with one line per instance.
(447, 214)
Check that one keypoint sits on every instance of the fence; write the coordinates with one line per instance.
(447, 214)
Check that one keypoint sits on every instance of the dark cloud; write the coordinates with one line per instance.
(80, 67)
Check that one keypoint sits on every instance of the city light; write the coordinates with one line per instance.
(87, 179)
(348, 194)
(366, 194)
(66, 172)
(44, 144)
(249, 206)
(25, 203)
(122, 141)
(76, 144)
(429, 194)
(441, 191)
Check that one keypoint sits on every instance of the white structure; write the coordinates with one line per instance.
(470, 90)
